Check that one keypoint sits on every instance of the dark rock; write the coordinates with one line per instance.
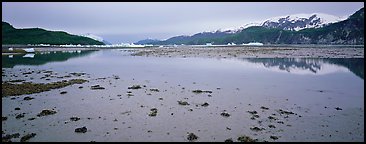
(201, 91)
(225, 114)
(28, 98)
(153, 112)
(183, 103)
(272, 118)
(81, 130)
(63, 92)
(74, 118)
(31, 118)
(116, 77)
(245, 138)
(271, 126)
(96, 87)
(192, 137)
(4, 118)
(80, 87)
(154, 89)
(135, 87)
(229, 140)
(338, 108)
(27, 137)
(256, 129)
(281, 122)
(17, 108)
(19, 116)
(252, 112)
(274, 137)
(205, 104)
(7, 138)
(285, 112)
(265, 108)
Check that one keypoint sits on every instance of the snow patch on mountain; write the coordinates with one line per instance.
(92, 36)
(293, 22)
(298, 22)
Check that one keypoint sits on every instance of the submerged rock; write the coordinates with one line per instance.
(229, 140)
(4, 118)
(153, 112)
(225, 114)
(154, 89)
(272, 118)
(135, 87)
(27, 137)
(256, 129)
(265, 108)
(8, 137)
(338, 108)
(285, 112)
(10, 89)
(274, 137)
(192, 137)
(31, 118)
(201, 91)
(19, 116)
(96, 87)
(81, 130)
(205, 104)
(245, 138)
(252, 112)
(74, 118)
(46, 112)
(28, 98)
(183, 103)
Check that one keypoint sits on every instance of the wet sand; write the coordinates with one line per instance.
(253, 52)
(155, 104)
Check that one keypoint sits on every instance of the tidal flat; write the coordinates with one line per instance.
(186, 94)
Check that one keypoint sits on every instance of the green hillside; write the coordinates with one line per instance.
(11, 35)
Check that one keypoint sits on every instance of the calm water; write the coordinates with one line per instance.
(311, 88)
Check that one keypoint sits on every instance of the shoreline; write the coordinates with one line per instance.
(229, 51)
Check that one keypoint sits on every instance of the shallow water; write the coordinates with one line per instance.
(310, 88)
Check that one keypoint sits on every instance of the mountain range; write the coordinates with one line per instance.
(316, 28)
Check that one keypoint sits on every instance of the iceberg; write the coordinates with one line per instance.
(254, 44)
(29, 50)
(29, 56)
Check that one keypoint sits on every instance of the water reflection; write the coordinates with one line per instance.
(291, 65)
(311, 65)
(40, 58)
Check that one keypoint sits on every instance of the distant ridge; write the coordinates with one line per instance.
(11, 35)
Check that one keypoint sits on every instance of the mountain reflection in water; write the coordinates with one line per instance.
(41, 58)
(313, 65)
(291, 65)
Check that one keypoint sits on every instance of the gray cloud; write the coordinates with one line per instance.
(129, 22)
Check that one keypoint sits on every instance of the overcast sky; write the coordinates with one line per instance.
(130, 22)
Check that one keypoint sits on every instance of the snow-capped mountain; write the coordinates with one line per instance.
(95, 37)
(301, 21)
(92, 36)
(294, 22)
